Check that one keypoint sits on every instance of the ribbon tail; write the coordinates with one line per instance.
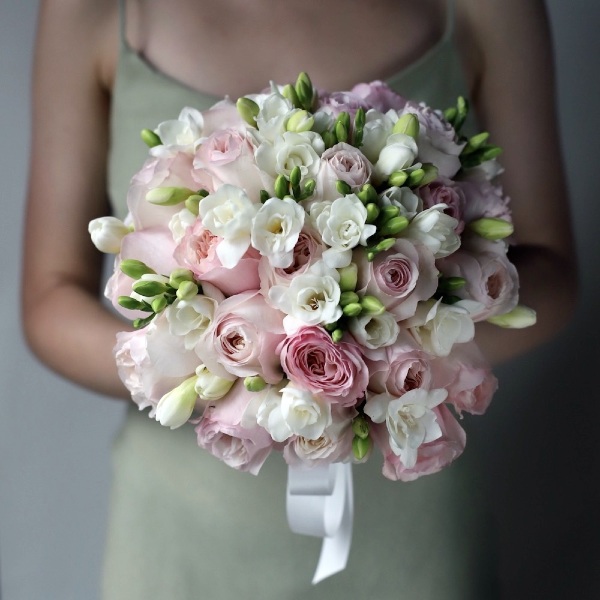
(320, 503)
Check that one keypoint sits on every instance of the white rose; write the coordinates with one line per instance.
(374, 331)
(410, 420)
(436, 230)
(275, 230)
(107, 233)
(437, 327)
(312, 297)
(228, 213)
(342, 225)
(399, 153)
(296, 412)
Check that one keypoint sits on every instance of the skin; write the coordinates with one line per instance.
(512, 90)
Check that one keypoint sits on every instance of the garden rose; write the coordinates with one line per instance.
(448, 193)
(345, 163)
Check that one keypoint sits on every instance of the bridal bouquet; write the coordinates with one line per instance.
(304, 271)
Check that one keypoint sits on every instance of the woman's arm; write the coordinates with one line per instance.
(64, 320)
(507, 44)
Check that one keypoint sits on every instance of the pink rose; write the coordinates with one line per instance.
(242, 339)
(223, 115)
(399, 368)
(220, 432)
(165, 171)
(333, 103)
(483, 199)
(307, 252)
(227, 156)
(432, 457)
(197, 252)
(379, 96)
(437, 140)
(342, 162)
(491, 279)
(336, 372)
(399, 277)
(467, 377)
(151, 246)
(445, 192)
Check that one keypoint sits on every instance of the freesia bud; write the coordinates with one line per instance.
(289, 93)
(385, 245)
(304, 90)
(492, 228)
(342, 187)
(451, 284)
(367, 194)
(169, 196)
(360, 428)
(295, 175)
(407, 124)
(387, 213)
(159, 304)
(255, 383)
(281, 186)
(398, 178)
(361, 447)
(210, 387)
(150, 138)
(416, 177)
(135, 269)
(300, 120)
(348, 277)
(329, 139)
(132, 304)
(248, 110)
(352, 310)
(175, 408)
(178, 276)
(192, 203)
(372, 305)
(341, 132)
(107, 233)
(518, 318)
(348, 298)
(187, 290)
(149, 288)
(394, 226)
(337, 336)
(372, 212)
(476, 142)
(430, 173)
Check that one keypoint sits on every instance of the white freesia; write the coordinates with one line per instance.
(179, 223)
(436, 230)
(275, 230)
(228, 213)
(274, 111)
(312, 297)
(342, 225)
(518, 318)
(437, 327)
(291, 150)
(181, 134)
(375, 133)
(410, 420)
(374, 331)
(175, 408)
(295, 412)
(210, 387)
(191, 318)
(399, 153)
(107, 233)
(408, 202)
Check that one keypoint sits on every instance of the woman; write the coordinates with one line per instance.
(101, 75)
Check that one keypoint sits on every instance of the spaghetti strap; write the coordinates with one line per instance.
(122, 24)
(450, 19)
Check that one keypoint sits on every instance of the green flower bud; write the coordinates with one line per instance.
(491, 228)
(348, 277)
(331, 327)
(360, 428)
(476, 142)
(264, 196)
(135, 268)
(407, 124)
(289, 92)
(300, 121)
(248, 110)
(159, 304)
(337, 336)
(372, 212)
(430, 173)
(361, 447)
(450, 114)
(139, 323)
(348, 298)
(329, 139)
(372, 305)
(451, 284)
(359, 126)
(416, 177)
(304, 91)
(342, 187)
(192, 203)
(490, 153)
(388, 212)
(255, 383)
(133, 304)
(518, 318)
(341, 132)
(295, 176)
(385, 245)
(309, 188)
(150, 138)
(149, 288)
(169, 196)
(187, 290)
(352, 310)
(180, 275)
(394, 226)
(367, 194)
(398, 178)
(282, 187)
(462, 110)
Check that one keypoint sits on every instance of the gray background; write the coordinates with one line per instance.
(538, 441)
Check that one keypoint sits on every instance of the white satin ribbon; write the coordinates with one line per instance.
(320, 503)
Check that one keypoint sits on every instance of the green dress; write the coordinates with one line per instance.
(185, 526)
